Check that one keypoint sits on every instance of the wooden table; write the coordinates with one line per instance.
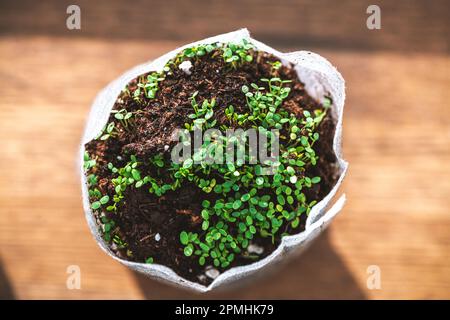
(396, 138)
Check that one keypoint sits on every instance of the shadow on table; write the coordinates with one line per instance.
(6, 291)
(317, 274)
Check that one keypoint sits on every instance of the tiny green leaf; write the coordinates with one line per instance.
(95, 205)
(104, 199)
(188, 250)
(184, 238)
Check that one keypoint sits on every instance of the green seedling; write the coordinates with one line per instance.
(148, 86)
(237, 54)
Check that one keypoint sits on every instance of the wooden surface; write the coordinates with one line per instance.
(396, 138)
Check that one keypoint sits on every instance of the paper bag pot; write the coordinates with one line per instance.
(206, 227)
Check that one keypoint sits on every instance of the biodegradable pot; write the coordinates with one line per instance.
(320, 78)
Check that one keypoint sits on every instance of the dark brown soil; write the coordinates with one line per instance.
(143, 215)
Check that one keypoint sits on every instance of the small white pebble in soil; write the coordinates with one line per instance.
(212, 272)
(119, 158)
(186, 66)
(166, 147)
(157, 237)
(202, 277)
(253, 248)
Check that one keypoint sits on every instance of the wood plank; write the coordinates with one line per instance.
(407, 25)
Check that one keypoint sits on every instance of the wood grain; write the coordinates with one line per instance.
(407, 25)
(396, 138)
